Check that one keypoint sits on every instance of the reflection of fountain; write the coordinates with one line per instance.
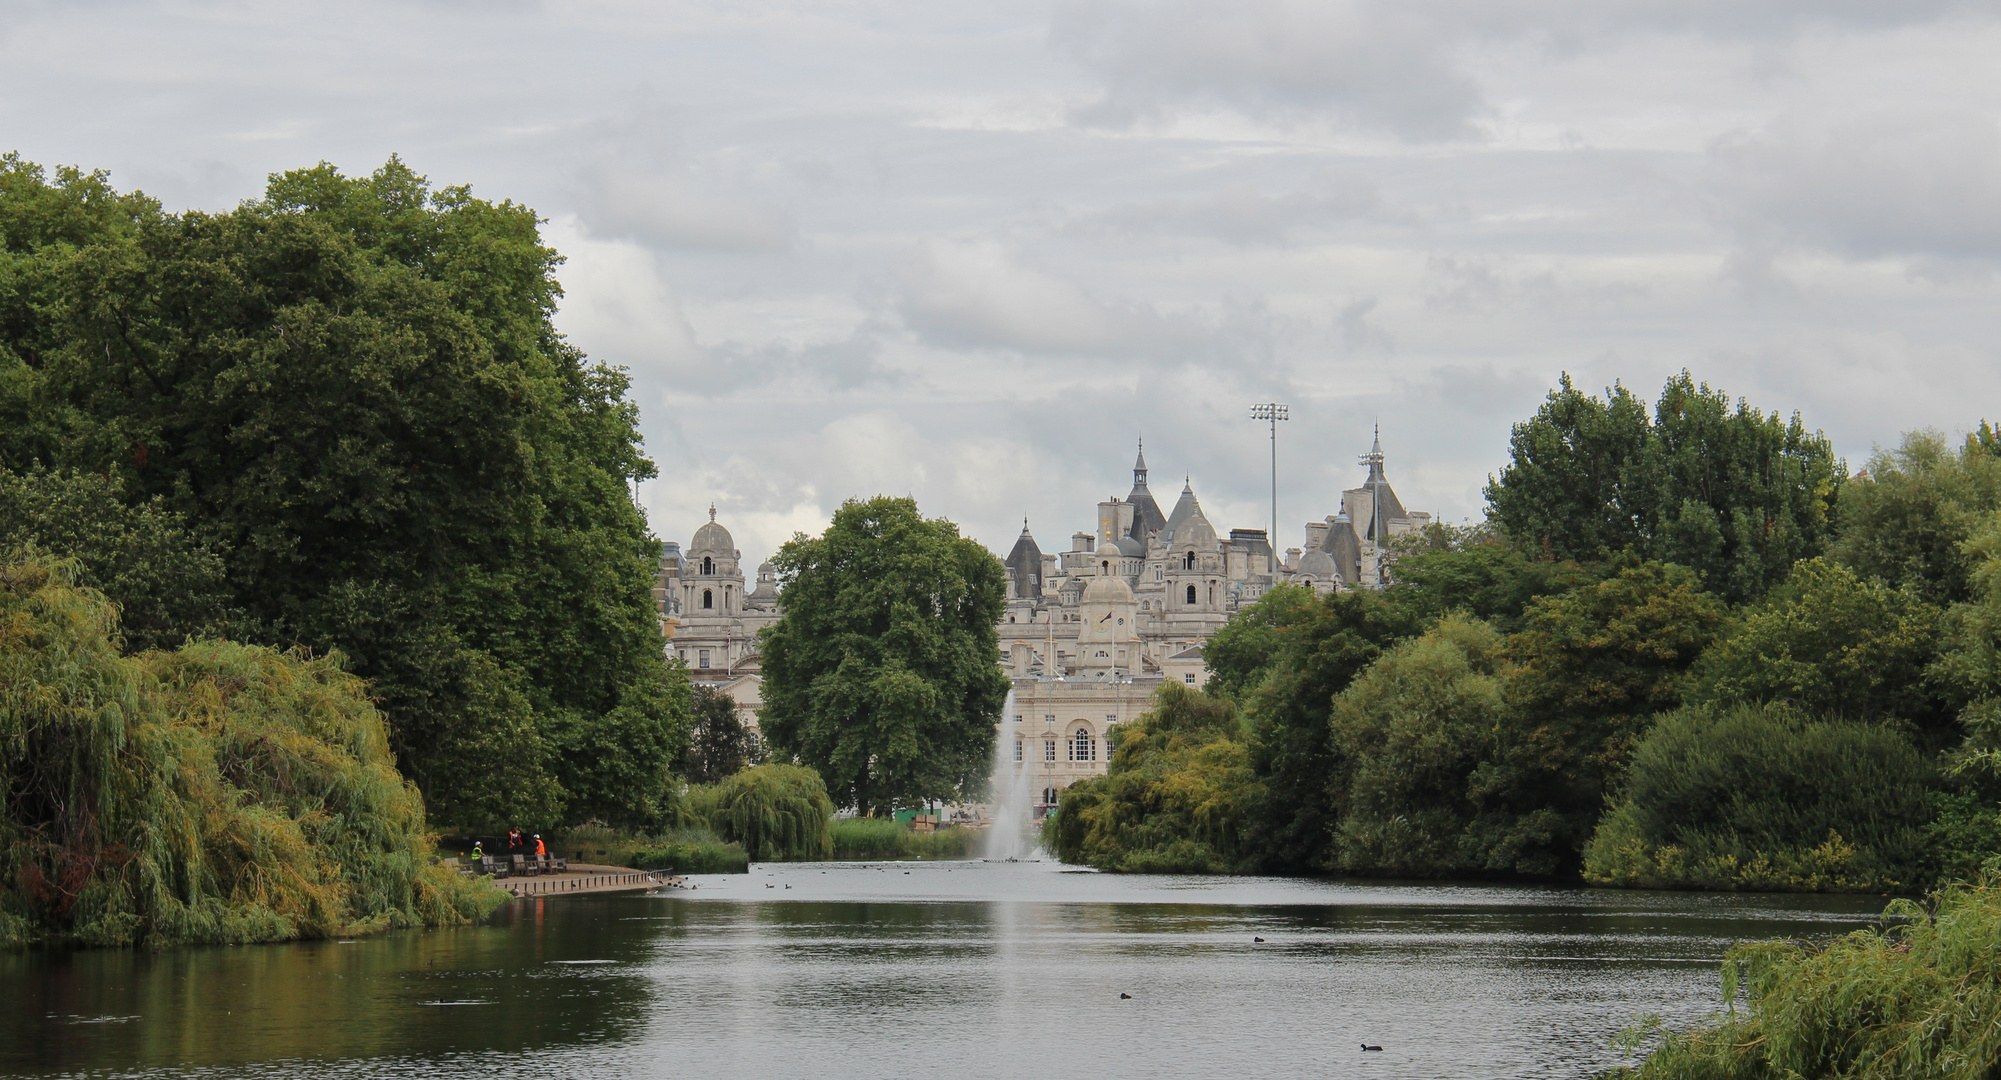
(1012, 806)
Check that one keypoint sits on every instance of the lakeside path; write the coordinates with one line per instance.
(586, 878)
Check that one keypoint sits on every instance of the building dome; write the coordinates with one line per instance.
(1108, 584)
(1317, 565)
(1131, 548)
(713, 537)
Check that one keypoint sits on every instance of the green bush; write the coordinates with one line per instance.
(1760, 798)
(220, 793)
(694, 857)
(1176, 797)
(779, 813)
(1915, 999)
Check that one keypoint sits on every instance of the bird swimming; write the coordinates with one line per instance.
(1257, 939)
(1367, 1047)
(1125, 997)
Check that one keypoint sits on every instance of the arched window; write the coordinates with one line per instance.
(1049, 796)
(709, 598)
(1191, 595)
(708, 565)
(1105, 567)
(1082, 748)
(1188, 561)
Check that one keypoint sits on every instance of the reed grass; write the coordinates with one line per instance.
(884, 838)
(1916, 997)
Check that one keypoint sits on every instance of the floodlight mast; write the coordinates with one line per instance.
(1272, 412)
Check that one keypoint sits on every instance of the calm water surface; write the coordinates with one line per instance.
(956, 970)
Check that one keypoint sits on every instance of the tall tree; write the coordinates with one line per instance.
(881, 673)
(719, 744)
(1734, 493)
(1907, 519)
(353, 391)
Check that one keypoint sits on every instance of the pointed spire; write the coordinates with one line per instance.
(1139, 465)
(1024, 524)
(712, 511)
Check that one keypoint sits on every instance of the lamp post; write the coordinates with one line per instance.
(1272, 413)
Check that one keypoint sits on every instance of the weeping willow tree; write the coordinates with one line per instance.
(1915, 998)
(779, 813)
(220, 793)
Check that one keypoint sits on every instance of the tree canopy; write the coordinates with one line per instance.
(1735, 494)
(882, 671)
(351, 393)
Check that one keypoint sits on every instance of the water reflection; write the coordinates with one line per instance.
(973, 970)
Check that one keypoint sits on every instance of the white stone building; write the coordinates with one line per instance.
(1090, 633)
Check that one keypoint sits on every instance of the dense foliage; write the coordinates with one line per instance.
(776, 812)
(339, 417)
(1735, 494)
(1915, 998)
(1177, 798)
(719, 742)
(881, 672)
(218, 793)
(1684, 651)
(1763, 799)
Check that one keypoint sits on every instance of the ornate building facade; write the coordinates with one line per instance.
(1088, 633)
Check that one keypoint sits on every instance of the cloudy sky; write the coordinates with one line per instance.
(971, 251)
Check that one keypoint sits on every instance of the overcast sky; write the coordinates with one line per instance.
(971, 252)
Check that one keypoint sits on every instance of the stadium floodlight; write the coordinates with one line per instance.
(1272, 412)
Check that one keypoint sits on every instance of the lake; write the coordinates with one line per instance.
(941, 969)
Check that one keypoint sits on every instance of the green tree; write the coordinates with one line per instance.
(719, 744)
(1481, 573)
(1175, 798)
(1409, 732)
(1831, 644)
(353, 392)
(1734, 493)
(1587, 675)
(777, 812)
(881, 672)
(1907, 518)
(1284, 659)
(168, 584)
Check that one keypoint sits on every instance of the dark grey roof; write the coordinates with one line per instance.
(1147, 518)
(1251, 541)
(1024, 565)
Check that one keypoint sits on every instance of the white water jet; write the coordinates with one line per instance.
(1012, 803)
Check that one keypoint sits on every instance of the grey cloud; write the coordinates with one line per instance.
(1241, 216)
(674, 211)
(1898, 186)
(1372, 64)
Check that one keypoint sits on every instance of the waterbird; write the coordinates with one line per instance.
(1257, 939)
(1366, 1047)
(1125, 997)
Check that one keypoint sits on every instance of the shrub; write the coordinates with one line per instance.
(778, 813)
(1913, 999)
(1758, 797)
(220, 793)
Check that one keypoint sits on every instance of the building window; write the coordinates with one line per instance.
(1188, 561)
(1081, 746)
(1189, 678)
(1049, 796)
(1017, 748)
(1101, 654)
(709, 599)
(708, 566)
(1191, 594)
(702, 658)
(1049, 749)
(1017, 718)
(1048, 718)
(1111, 718)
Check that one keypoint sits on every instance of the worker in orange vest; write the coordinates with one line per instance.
(541, 852)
